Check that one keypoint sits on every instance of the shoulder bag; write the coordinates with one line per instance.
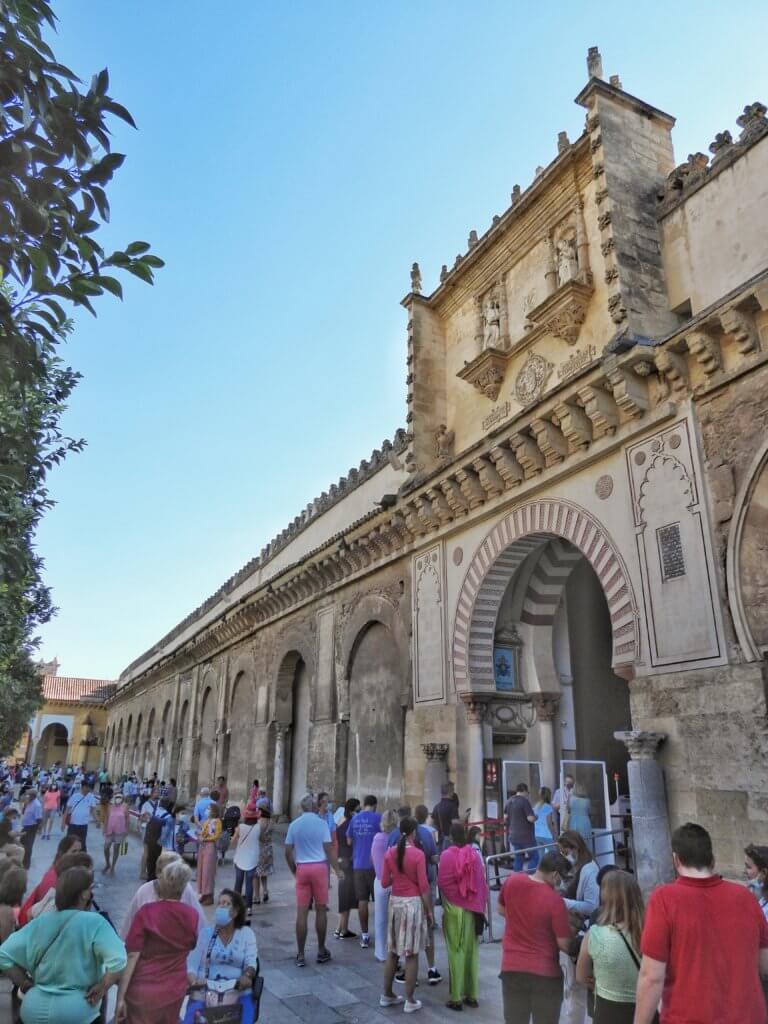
(636, 960)
(68, 813)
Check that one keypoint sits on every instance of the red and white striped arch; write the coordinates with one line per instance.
(495, 562)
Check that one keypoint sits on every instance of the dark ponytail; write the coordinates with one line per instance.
(407, 828)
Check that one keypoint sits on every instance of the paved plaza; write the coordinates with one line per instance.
(345, 990)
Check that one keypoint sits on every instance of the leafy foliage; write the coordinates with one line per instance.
(55, 165)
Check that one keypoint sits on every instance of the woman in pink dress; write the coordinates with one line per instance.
(210, 833)
(115, 831)
(161, 937)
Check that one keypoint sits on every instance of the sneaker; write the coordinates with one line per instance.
(434, 977)
(300, 961)
(400, 977)
(473, 1003)
(324, 957)
(365, 942)
(412, 1007)
(390, 1000)
(345, 935)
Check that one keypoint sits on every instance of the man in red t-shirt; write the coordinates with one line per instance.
(702, 942)
(536, 928)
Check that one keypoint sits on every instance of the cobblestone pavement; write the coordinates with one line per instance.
(344, 991)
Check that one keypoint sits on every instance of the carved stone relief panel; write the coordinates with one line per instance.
(429, 626)
(679, 590)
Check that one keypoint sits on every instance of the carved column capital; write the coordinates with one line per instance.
(435, 751)
(476, 708)
(640, 744)
(546, 705)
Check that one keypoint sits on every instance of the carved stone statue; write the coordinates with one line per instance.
(444, 442)
(567, 261)
(416, 279)
(491, 323)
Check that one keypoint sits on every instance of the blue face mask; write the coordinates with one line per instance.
(221, 917)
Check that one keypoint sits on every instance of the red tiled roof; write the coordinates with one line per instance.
(71, 689)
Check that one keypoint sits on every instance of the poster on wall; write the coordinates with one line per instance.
(505, 669)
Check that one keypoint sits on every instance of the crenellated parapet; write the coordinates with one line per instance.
(698, 170)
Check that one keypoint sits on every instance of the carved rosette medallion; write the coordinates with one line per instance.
(532, 378)
(435, 751)
(604, 487)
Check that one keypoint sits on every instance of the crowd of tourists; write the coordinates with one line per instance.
(578, 943)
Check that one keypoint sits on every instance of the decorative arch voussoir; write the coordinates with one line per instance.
(545, 519)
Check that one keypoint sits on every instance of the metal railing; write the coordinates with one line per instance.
(621, 853)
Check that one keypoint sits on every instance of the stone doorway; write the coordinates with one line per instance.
(555, 611)
(52, 745)
(525, 564)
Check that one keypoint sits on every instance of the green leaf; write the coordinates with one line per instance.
(111, 284)
(137, 248)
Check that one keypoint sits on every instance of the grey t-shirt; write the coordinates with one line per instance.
(517, 812)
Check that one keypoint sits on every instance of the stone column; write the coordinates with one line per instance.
(546, 706)
(650, 818)
(436, 771)
(550, 269)
(278, 784)
(476, 710)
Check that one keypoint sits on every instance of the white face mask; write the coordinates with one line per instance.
(571, 858)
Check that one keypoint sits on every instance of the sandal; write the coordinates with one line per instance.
(324, 957)
(454, 1006)
(300, 961)
(266, 898)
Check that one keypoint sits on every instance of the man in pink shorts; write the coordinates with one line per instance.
(308, 851)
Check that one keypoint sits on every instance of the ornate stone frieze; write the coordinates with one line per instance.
(563, 312)
(486, 372)
(435, 751)
(546, 705)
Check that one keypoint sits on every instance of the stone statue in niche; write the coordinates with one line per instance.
(444, 443)
(567, 260)
(491, 323)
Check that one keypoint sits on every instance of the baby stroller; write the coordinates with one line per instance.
(229, 823)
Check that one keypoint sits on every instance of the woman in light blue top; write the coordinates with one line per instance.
(581, 891)
(71, 956)
(225, 952)
(543, 829)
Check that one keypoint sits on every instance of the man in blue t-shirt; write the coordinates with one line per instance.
(360, 833)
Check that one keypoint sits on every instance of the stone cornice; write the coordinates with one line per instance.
(519, 229)
(578, 424)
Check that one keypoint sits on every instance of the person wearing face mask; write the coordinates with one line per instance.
(115, 832)
(64, 961)
(224, 964)
(161, 937)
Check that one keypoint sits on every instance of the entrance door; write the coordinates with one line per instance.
(589, 811)
(515, 772)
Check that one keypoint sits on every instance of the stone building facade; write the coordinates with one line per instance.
(71, 724)
(565, 542)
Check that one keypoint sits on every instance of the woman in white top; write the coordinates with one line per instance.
(247, 851)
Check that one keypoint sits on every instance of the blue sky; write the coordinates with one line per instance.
(292, 160)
